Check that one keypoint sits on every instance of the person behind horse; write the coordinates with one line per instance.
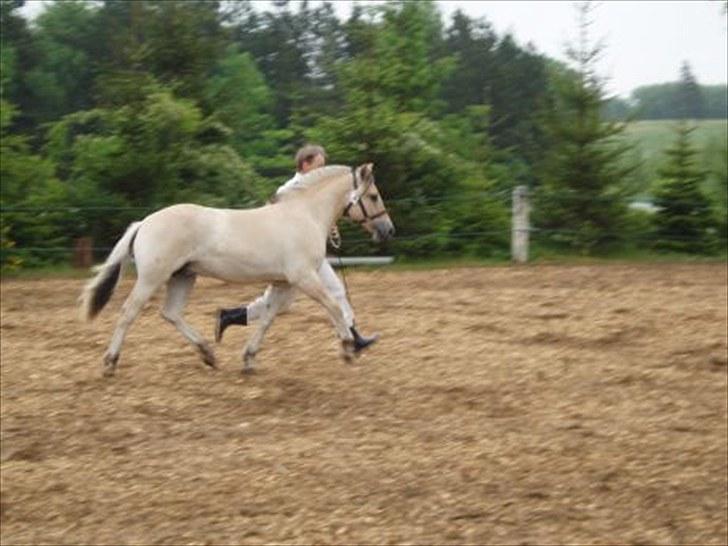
(308, 158)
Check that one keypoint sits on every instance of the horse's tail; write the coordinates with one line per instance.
(98, 290)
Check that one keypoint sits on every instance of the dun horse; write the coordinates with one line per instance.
(282, 243)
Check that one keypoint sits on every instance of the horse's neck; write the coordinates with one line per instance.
(328, 202)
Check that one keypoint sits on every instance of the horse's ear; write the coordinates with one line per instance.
(366, 172)
(369, 169)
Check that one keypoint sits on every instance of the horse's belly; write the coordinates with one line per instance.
(234, 271)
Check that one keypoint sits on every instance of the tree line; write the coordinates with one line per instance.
(672, 100)
(113, 109)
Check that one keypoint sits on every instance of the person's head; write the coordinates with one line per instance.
(310, 157)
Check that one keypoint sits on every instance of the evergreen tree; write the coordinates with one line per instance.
(275, 40)
(27, 181)
(499, 73)
(360, 32)
(325, 42)
(689, 101)
(517, 93)
(580, 201)
(472, 42)
(684, 220)
(18, 56)
(392, 117)
(405, 64)
(239, 97)
(66, 35)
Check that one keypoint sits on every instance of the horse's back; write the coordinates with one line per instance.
(169, 237)
(188, 211)
(224, 243)
(236, 245)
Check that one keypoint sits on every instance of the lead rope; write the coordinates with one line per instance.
(335, 240)
(343, 277)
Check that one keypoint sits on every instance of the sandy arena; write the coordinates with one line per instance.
(504, 405)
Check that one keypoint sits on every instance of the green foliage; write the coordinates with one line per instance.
(27, 182)
(275, 42)
(144, 156)
(7, 68)
(581, 198)
(18, 55)
(473, 43)
(405, 68)
(422, 165)
(184, 40)
(112, 109)
(497, 72)
(9, 262)
(62, 79)
(684, 220)
(239, 97)
(178, 42)
(148, 152)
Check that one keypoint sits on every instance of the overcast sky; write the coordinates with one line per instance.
(646, 40)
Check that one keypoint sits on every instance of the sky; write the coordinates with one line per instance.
(646, 41)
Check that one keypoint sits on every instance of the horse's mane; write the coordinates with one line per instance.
(315, 177)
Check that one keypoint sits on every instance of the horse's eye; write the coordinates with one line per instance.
(374, 198)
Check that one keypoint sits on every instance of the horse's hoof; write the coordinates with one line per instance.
(248, 360)
(109, 369)
(348, 356)
(208, 357)
(249, 370)
(348, 350)
(110, 365)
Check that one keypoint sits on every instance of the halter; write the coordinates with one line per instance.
(358, 201)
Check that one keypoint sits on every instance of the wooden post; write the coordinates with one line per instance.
(83, 252)
(520, 224)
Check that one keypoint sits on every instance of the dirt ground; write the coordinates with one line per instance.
(504, 405)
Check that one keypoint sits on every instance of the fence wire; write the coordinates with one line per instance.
(493, 237)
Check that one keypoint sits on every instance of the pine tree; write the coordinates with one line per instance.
(689, 101)
(684, 220)
(581, 201)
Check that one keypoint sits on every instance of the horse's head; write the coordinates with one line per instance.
(366, 206)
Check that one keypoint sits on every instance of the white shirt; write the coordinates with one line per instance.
(291, 184)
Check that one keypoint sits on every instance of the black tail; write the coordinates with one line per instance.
(103, 290)
(98, 290)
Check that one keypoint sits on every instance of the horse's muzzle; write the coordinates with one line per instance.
(383, 232)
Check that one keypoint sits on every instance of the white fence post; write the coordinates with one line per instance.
(520, 226)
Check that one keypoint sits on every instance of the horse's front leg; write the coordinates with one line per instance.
(314, 288)
(277, 297)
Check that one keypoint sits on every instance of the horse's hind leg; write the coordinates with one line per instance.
(279, 297)
(134, 303)
(179, 287)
